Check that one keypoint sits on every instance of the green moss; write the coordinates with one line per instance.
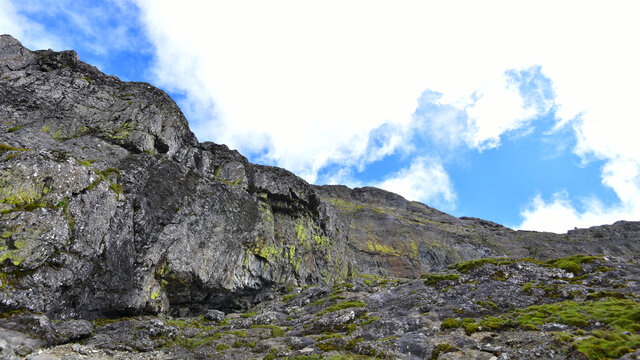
(342, 305)
(382, 249)
(607, 344)
(450, 323)
(14, 128)
(288, 297)
(434, 279)
(317, 302)
(603, 269)
(301, 234)
(105, 175)
(466, 266)
(621, 320)
(414, 250)
(239, 333)
(366, 320)
(499, 276)
(86, 163)
(487, 305)
(469, 325)
(277, 331)
(64, 204)
(222, 347)
(563, 337)
(12, 256)
(494, 323)
(327, 336)
(244, 343)
(15, 191)
(191, 343)
(442, 349)
(606, 294)
(572, 263)
(217, 175)
(115, 187)
(248, 314)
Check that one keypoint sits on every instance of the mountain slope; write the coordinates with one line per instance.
(110, 206)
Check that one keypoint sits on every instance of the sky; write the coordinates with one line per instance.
(524, 113)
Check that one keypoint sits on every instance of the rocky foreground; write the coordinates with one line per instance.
(123, 236)
(581, 307)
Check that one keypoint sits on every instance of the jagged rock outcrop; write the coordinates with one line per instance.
(483, 309)
(111, 207)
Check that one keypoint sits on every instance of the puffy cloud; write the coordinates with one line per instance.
(312, 86)
(559, 214)
(30, 33)
(305, 85)
(424, 180)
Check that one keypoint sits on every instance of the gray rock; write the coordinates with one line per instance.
(631, 356)
(111, 208)
(214, 315)
(72, 330)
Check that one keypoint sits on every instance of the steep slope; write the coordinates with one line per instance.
(110, 206)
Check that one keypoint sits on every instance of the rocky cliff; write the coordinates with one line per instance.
(109, 207)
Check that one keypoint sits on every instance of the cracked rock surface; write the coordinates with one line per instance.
(466, 312)
(110, 208)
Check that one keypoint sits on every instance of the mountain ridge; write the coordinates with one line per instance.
(117, 182)
(133, 236)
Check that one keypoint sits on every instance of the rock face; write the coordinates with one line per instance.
(488, 309)
(111, 207)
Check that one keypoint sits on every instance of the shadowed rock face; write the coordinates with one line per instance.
(110, 206)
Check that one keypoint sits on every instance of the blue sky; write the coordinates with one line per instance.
(475, 109)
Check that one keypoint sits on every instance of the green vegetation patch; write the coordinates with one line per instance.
(442, 349)
(276, 331)
(288, 297)
(342, 305)
(487, 305)
(5, 147)
(466, 266)
(450, 323)
(248, 314)
(606, 294)
(572, 264)
(618, 332)
(434, 279)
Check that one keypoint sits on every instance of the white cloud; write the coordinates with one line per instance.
(96, 27)
(31, 34)
(559, 214)
(306, 84)
(424, 180)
